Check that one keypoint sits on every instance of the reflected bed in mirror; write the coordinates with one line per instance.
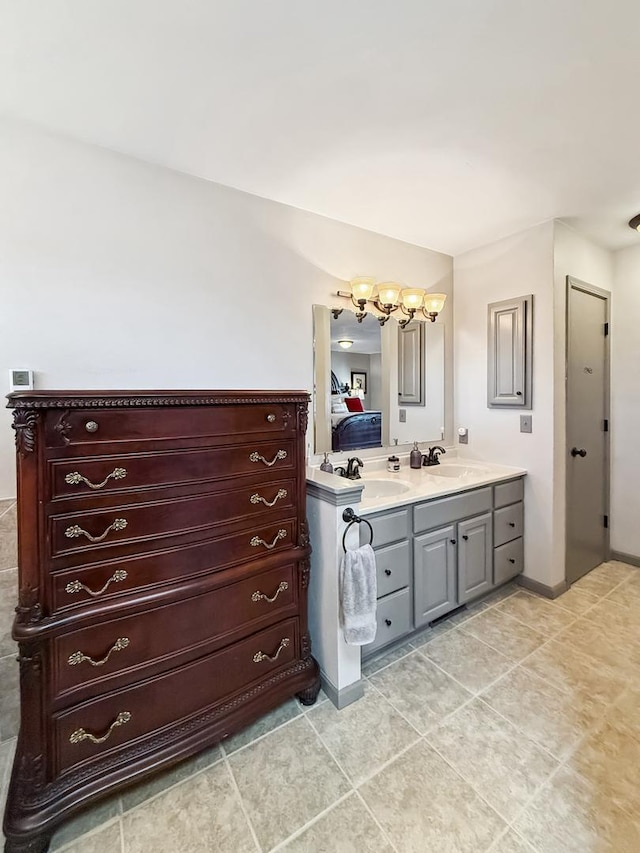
(356, 382)
(376, 386)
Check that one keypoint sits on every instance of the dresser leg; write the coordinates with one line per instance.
(39, 844)
(309, 696)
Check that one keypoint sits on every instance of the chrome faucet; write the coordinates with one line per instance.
(432, 456)
(351, 472)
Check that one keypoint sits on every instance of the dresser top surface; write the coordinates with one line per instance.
(147, 398)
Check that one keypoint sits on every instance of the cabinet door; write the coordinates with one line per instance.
(411, 365)
(434, 574)
(475, 552)
(509, 353)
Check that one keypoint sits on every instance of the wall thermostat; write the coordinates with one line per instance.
(20, 379)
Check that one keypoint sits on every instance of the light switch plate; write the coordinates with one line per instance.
(402, 416)
(526, 423)
(20, 379)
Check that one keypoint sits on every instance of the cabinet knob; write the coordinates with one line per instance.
(518, 393)
(91, 426)
(511, 560)
(387, 622)
(453, 541)
(465, 537)
(512, 524)
(387, 572)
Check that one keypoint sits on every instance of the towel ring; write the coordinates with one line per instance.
(349, 516)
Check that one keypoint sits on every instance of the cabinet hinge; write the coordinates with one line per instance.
(606, 522)
(606, 424)
(606, 329)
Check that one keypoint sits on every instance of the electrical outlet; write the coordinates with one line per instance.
(526, 423)
(402, 416)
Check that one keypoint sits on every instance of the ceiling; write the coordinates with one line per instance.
(366, 336)
(448, 124)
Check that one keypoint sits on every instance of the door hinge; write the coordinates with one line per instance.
(606, 329)
(606, 522)
(606, 424)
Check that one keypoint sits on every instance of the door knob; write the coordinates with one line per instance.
(576, 452)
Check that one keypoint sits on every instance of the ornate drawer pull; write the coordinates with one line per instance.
(74, 531)
(82, 734)
(256, 540)
(260, 596)
(76, 586)
(271, 419)
(91, 426)
(256, 499)
(255, 457)
(76, 477)
(260, 656)
(78, 657)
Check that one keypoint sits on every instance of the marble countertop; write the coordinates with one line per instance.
(452, 476)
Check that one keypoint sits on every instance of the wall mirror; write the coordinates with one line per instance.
(376, 386)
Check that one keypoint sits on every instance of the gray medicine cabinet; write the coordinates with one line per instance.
(510, 353)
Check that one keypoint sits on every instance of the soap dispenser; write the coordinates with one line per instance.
(326, 465)
(415, 457)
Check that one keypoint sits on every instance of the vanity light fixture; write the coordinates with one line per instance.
(389, 296)
(635, 223)
(345, 344)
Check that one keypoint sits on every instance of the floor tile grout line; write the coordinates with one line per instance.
(9, 508)
(393, 707)
(385, 835)
(262, 736)
(467, 782)
(171, 787)
(282, 844)
(89, 834)
(243, 806)
(335, 759)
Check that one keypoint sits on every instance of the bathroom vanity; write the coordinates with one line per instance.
(443, 537)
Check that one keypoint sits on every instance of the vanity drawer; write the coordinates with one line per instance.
(387, 527)
(93, 428)
(87, 478)
(393, 565)
(119, 651)
(439, 513)
(508, 561)
(393, 618)
(111, 722)
(508, 524)
(508, 493)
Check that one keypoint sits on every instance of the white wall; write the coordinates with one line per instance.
(515, 266)
(625, 402)
(577, 256)
(118, 274)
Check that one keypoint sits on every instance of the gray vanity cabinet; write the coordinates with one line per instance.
(475, 543)
(434, 574)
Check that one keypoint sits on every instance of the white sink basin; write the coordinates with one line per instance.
(383, 488)
(455, 471)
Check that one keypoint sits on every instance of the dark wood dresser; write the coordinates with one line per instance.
(164, 566)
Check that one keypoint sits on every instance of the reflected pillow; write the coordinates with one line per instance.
(354, 404)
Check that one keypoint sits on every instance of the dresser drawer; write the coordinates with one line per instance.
(393, 618)
(120, 650)
(508, 561)
(508, 523)
(393, 566)
(92, 428)
(142, 527)
(91, 478)
(111, 722)
(84, 583)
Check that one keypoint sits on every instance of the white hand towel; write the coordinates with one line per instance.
(358, 596)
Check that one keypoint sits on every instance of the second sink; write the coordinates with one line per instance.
(383, 488)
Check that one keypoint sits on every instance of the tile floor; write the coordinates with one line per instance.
(513, 727)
